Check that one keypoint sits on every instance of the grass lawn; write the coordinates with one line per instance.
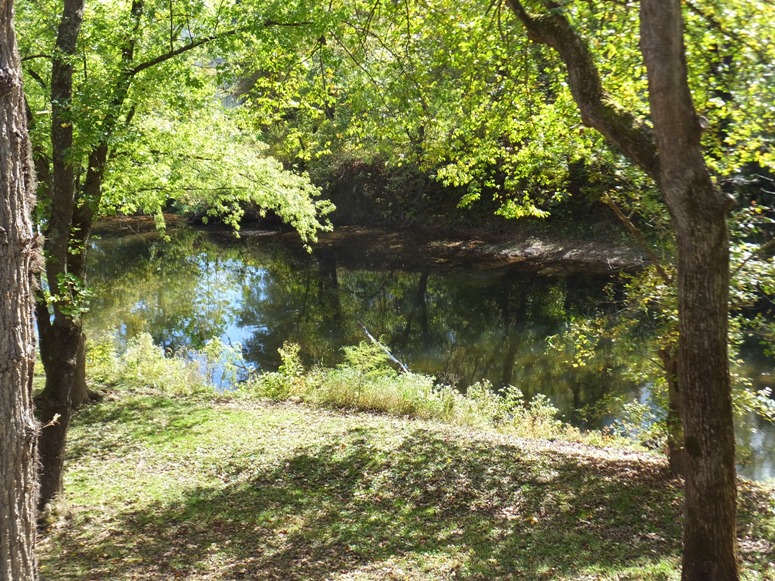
(237, 488)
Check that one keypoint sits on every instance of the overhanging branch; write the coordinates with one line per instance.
(203, 41)
(598, 110)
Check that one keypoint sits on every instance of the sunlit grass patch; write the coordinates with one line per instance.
(220, 488)
(238, 485)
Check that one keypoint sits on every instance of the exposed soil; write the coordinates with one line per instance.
(546, 251)
(405, 249)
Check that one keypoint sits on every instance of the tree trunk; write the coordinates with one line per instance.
(81, 392)
(18, 257)
(672, 156)
(58, 351)
(706, 404)
(699, 218)
(59, 333)
(675, 436)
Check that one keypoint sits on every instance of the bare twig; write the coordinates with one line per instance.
(633, 229)
(392, 357)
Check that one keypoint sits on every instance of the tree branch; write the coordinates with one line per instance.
(638, 235)
(598, 110)
(37, 56)
(180, 50)
(37, 78)
(203, 41)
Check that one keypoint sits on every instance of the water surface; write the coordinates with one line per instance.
(456, 320)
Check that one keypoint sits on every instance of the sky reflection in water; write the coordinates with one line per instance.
(457, 323)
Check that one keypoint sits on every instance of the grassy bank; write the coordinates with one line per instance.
(238, 487)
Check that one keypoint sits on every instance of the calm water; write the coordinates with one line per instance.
(454, 321)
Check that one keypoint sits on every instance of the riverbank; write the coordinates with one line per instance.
(537, 246)
(545, 252)
(235, 487)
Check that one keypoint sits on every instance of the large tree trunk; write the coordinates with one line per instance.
(699, 217)
(18, 255)
(671, 155)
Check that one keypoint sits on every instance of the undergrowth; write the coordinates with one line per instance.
(144, 366)
(364, 381)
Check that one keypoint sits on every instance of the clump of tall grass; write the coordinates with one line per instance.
(145, 366)
(366, 381)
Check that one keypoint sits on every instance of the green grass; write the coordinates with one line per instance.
(240, 488)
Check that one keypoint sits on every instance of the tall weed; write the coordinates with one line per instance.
(366, 381)
(143, 365)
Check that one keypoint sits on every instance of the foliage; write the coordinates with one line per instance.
(460, 90)
(366, 381)
(145, 367)
(150, 118)
(73, 297)
(210, 167)
(427, 85)
(221, 364)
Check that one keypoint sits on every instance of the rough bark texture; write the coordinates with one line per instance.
(699, 217)
(18, 256)
(675, 438)
(672, 156)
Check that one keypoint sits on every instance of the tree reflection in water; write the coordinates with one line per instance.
(459, 323)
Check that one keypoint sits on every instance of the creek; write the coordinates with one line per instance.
(459, 319)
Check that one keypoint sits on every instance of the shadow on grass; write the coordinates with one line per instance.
(150, 419)
(429, 505)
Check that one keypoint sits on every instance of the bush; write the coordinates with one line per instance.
(144, 365)
(366, 381)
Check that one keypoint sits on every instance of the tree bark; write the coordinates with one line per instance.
(699, 217)
(18, 257)
(59, 332)
(58, 352)
(675, 438)
(81, 394)
(672, 156)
